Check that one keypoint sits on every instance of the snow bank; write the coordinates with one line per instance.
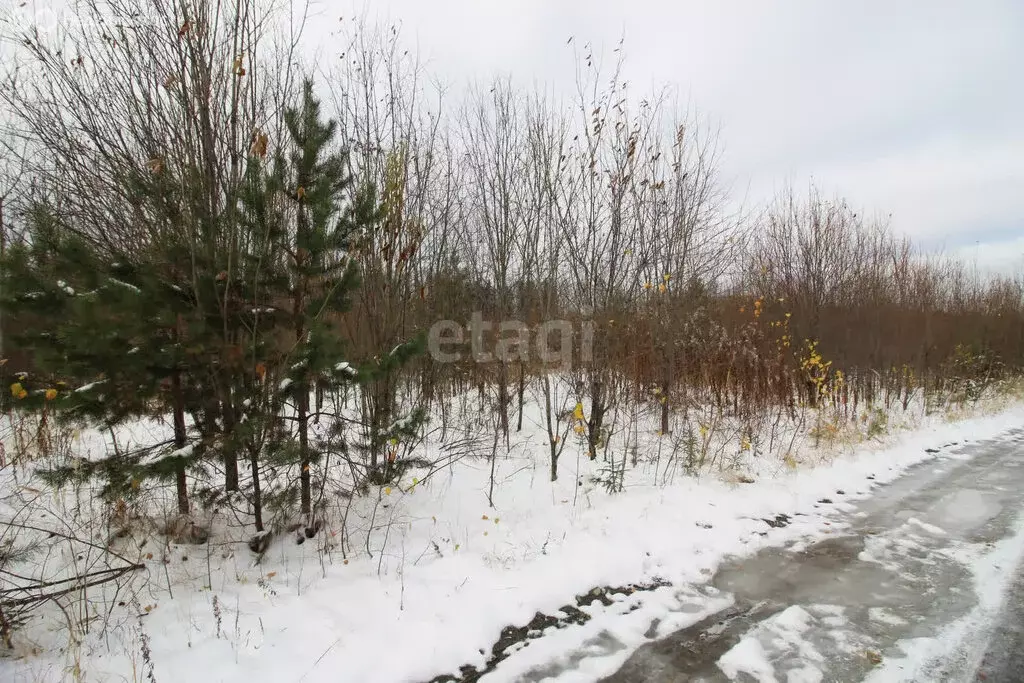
(434, 573)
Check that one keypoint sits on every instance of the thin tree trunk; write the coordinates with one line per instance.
(522, 391)
(552, 433)
(494, 460)
(596, 423)
(257, 492)
(503, 401)
(664, 408)
(303, 416)
(179, 441)
(668, 369)
(230, 455)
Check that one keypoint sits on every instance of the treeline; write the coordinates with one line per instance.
(219, 213)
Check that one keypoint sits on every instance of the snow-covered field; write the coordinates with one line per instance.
(432, 573)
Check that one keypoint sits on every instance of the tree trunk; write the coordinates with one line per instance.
(179, 441)
(596, 422)
(668, 370)
(522, 391)
(257, 492)
(503, 401)
(230, 456)
(302, 410)
(303, 416)
(552, 432)
(664, 408)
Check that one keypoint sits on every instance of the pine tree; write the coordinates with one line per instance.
(105, 333)
(159, 329)
(325, 214)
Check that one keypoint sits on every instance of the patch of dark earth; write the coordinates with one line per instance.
(778, 521)
(514, 638)
(571, 615)
(715, 635)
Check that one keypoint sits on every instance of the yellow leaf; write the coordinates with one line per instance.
(300, 193)
(51, 394)
(16, 389)
(387, 490)
(258, 148)
(484, 517)
(577, 413)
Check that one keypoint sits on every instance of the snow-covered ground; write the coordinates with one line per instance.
(433, 573)
(910, 584)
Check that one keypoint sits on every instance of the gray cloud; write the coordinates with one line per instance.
(909, 109)
(906, 108)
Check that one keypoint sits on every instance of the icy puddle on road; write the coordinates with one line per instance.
(909, 587)
(879, 599)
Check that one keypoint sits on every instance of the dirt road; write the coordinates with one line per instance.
(922, 584)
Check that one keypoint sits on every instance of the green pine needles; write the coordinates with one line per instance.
(226, 321)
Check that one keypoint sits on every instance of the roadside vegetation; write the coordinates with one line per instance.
(221, 268)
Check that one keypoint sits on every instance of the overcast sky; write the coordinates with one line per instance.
(909, 108)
